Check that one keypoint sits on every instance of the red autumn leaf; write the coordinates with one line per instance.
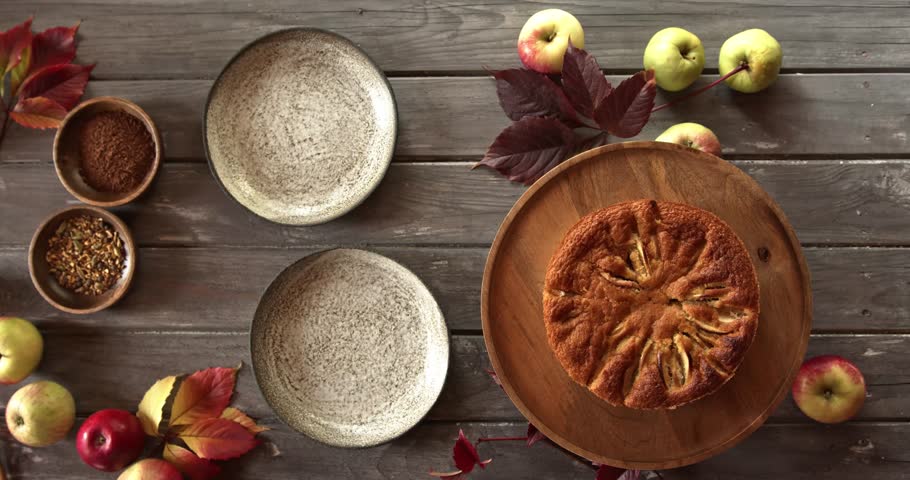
(17, 75)
(583, 81)
(38, 112)
(189, 464)
(54, 46)
(204, 394)
(530, 147)
(606, 472)
(12, 44)
(534, 435)
(236, 415)
(218, 438)
(63, 84)
(626, 111)
(527, 93)
(16, 48)
(465, 454)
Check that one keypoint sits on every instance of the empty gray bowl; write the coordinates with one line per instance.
(300, 126)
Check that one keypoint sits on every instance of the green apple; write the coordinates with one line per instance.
(20, 349)
(544, 39)
(692, 135)
(41, 413)
(676, 56)
(759, 52)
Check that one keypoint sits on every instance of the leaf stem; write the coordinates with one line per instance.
(502, 439)
(587, 122)
(5, 124)
(741, 67)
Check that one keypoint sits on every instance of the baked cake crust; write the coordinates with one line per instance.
(651, 304)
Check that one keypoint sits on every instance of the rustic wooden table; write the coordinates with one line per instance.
(829, 142)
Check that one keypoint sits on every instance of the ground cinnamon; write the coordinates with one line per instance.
(116, 151)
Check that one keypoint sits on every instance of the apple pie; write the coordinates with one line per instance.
(651, 304)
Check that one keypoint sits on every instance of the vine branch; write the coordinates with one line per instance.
(741, 67)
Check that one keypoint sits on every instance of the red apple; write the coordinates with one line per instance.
(544, 39)
(692, 135)
(829, 389)
(110, 439)
(151, 469)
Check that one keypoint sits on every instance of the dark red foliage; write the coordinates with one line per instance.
(530, 147)
(534, 435)
(626, 111)
(525, 93)
(545, 115)
(606, 472)
(583, 81)
(466, 458)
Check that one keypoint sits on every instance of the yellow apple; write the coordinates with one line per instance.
(544, 39)
(20, 349)
(151, 469)
(677, 58)
(761, 54)
(41, 413)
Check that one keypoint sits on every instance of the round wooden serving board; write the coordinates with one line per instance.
(568, 413)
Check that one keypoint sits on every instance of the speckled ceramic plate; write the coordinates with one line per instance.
(300, 126)
(349, 347)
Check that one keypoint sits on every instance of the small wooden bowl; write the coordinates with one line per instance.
(66, 152)
(47, 285)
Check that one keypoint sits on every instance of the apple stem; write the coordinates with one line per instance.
(501, 439)
(741, 67)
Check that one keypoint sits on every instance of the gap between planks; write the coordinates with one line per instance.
(484, 73)
(472, 161)
(416, 246)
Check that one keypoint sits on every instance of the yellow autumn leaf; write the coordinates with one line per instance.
(238, 416)
(151, 408)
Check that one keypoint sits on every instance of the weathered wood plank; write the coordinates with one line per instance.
(785, 452)
(179, 39)
(854, 289)
(106, 369)
(860, 202)
(442, 117)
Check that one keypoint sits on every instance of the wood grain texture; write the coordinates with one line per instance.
(839, 202)
(844, 114)
(797, 452)
(856, 289)
(178, 39)
(111, 369)
(189, 306)
(512, 296)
